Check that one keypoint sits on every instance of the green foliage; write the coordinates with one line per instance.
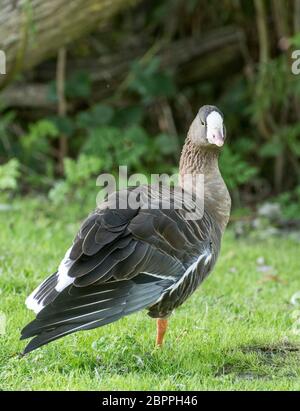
(290, 203)
(37, 153)
(64, 125)
(98, 115)
(295, 40)
(235, 170)
(164, 145)
(78, 86)
(150, 82)
(132, 147)
(9, 174)
(148, 98)
(79, 180)
(36, 138)
(116, 147)
(277, 85)
(129, 116)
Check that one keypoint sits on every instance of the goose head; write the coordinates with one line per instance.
(207, 129)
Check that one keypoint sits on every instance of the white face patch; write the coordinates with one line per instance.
(214, 128)
(214, 120)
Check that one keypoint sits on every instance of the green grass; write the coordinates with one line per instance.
(235, 333)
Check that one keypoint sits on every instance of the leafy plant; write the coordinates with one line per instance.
(79, 182)
(36, 138)
(235, 169)
(97, 116)
(118, 147)
(78, 85)
(290, 203)
(9, 174)
(150, 82)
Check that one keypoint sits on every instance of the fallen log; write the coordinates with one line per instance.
(31, 31)
(215, 50)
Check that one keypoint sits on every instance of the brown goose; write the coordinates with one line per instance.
(127, 259)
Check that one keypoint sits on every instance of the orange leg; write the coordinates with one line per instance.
(161, 327)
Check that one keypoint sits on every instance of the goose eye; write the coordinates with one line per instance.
(203, 123)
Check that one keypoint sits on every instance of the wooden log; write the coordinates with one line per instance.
(219, 48)
(31, 31)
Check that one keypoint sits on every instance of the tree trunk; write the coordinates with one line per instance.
(262, 27)
(62, 104)
(33, 30)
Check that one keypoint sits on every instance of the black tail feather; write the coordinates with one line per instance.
(78, 309)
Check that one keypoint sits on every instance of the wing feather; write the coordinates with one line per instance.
(123, 260)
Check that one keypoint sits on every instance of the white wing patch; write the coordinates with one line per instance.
(191, 268)
(32, 303)
(63, 279)
(207, 255)
(36, 299)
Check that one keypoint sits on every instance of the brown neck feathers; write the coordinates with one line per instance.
(197, 160)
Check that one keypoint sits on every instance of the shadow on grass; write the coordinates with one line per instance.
(262, 362)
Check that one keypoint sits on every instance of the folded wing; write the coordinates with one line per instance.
(122, 260)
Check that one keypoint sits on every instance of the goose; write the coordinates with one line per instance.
(125, 259)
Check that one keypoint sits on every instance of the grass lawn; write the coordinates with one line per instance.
(235, 333)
